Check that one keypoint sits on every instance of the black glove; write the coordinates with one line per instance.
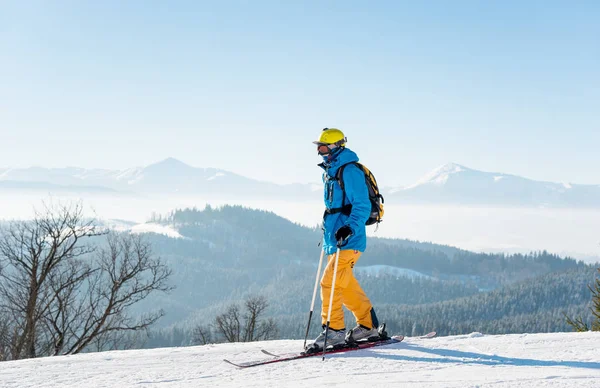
(343, 233)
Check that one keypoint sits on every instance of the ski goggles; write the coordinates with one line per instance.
(325, 149)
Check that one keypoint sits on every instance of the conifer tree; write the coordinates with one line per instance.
(596, 303)
(578, 324)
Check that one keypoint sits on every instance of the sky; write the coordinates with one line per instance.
(246, 86)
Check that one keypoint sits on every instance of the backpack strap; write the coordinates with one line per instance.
(345, 209)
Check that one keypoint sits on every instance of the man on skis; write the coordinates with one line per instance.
(344, 220)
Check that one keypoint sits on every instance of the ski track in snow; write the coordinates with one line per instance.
(517, 360)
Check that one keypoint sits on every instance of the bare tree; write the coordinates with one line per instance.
(5, 339)
(59, 293)
(127, 274)
(255, 306)
(267, 329)
(202, 335)
(67, 306)
(230, 326)
(31, 252)
(122, 340)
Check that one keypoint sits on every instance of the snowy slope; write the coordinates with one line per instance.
(146, 227)
(150, 227)
(377, 270)
(527, 360)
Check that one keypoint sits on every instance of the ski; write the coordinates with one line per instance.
(271, 354)
(296, 356)
(424, 336)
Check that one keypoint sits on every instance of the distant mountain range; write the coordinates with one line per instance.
(456, 184)
(169, 176)
(449, 184)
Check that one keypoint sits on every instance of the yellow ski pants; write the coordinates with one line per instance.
(347, 292)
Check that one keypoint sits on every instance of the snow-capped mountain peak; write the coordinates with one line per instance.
(451, 183)
(456, 184)
(169, 164)
(166, 176)
(440, 175)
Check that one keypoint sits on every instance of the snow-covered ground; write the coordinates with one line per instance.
(520, 360)
(150, 227)
(376, 270)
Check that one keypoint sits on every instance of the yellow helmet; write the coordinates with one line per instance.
(332, 136)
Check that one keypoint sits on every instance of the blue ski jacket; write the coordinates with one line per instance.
(357, 194)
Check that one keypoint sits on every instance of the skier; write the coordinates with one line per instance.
(344, 225)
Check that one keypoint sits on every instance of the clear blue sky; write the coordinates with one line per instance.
(508, 86)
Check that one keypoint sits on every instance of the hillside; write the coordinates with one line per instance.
(227, 252)
(566, 360)
(222, 255)
(536, 305)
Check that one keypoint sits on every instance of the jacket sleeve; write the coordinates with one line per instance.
(357, 194)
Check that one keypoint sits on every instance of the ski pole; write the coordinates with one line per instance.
(335, 267)
(312, 304)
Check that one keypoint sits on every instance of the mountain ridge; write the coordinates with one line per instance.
(451, 183)
(456, 184)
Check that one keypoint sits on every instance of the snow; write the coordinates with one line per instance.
(375, 270)
(439, 176)
(148, 227)
(219, 174)
(127, 174)
(520, 360)
(151, 227)
(498, 178)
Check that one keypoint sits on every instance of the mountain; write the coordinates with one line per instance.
(169, 176)
(174, 176)
(35, 186)
(450, 184)
(457, 184)
(68, 176)
(533, 305)
(219, 255)
(566, 360)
